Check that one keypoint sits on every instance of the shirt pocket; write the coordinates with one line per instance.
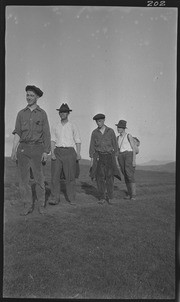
(25, 126)
(38, 125)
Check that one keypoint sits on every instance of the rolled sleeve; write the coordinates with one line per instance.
(17, 125)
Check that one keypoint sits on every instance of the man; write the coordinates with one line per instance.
(103, 152)
(31, 146)
(65, 152)
(127, 158)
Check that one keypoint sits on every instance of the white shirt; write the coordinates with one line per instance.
(124, 144)
(66, 135)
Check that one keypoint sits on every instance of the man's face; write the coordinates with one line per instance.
(31, 97)
(63, 115)
(100, 123)
(120, 130)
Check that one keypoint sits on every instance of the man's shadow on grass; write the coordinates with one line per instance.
(48, 191)
(89, 189)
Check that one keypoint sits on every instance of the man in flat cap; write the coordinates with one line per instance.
(65, 152)
(103, 152)
(31, 146)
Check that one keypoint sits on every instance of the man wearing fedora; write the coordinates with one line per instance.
(103, 152)
(65, 152)
(31, 146)
(127, 158)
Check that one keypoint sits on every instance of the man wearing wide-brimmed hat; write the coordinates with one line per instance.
(31, 146)
(65, 152)
(127, 158)
(103, 152)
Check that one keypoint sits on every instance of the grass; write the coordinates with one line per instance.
(121, 251)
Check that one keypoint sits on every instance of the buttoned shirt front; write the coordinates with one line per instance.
(105, 142)
(66, 135)
(33, 127)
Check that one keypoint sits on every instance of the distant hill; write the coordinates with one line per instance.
(168, 167)
(154, 162)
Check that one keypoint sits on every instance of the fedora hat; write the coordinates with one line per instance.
(34, 89)
(121, 124)
(64, 108)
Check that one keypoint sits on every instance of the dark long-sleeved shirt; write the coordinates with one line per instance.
(33, 127)
(105, 142)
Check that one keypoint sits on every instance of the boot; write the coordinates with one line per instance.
(133, 190)
(128, 196)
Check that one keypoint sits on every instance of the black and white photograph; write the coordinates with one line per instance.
(90, 140)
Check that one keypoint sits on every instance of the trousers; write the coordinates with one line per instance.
(65, 163)
(105, 175)
(125, 160)
(29, 156)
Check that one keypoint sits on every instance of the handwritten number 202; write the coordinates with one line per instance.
(156, 3)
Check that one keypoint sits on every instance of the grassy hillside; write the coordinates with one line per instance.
(90, 251)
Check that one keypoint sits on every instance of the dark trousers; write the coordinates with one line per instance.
(65, 162)
(29, 155)
(105, 175)
(125, 161)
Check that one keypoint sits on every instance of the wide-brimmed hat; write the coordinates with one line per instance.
(121, 124)
(35, 89)
(99, 116)
(64, 108)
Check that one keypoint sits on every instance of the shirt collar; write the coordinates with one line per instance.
(106, 129)
(37, 108)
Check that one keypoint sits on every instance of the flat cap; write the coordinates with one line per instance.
(99, 116)
(34, 89)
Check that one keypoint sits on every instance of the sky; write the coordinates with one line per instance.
(119, 61)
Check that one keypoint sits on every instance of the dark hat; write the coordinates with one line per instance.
(34, 89)
(64, 108)
(99, 116)
(121, 124)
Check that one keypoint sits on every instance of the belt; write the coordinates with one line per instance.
(125, 151)
(104, 153)
(64, 147)
(32, 143)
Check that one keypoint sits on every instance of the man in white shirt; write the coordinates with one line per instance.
(65, 152)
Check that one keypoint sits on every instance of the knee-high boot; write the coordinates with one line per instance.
(128, 191)
(133, 190)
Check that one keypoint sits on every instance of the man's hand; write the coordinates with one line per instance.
(134, 163)
(78, 156)
(44, 157)
(117, 163)
(53, 157)
(14, 155)
(91, 162)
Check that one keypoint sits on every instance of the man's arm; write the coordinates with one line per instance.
(91, 149)
(15, 145)
(53, 146)
(77, 140)
(131, 141)
(47, 138)
(115, 147)
(46, 134)
(78, 150)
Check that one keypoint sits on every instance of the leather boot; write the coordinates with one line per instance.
(128, 196)
(133, 191)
